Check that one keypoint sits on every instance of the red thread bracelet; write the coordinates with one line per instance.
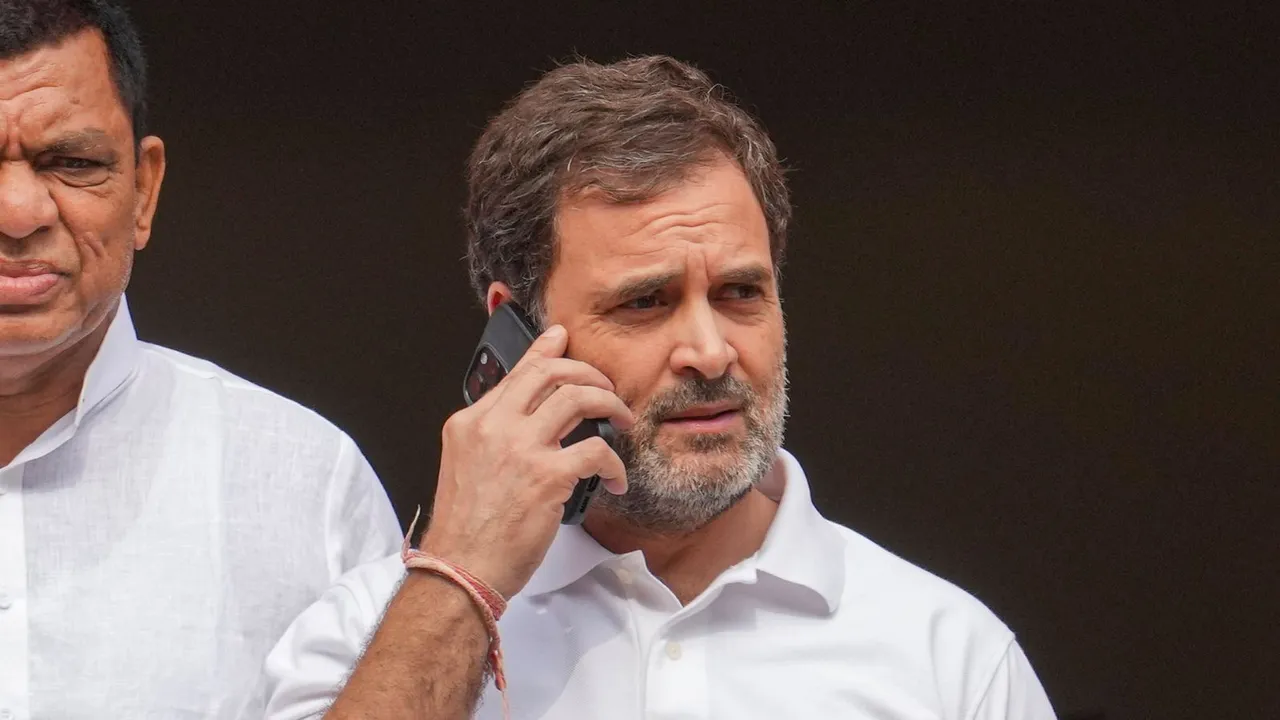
(488, 601)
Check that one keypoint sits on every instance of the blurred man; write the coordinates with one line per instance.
(161, 520)
(641, 216)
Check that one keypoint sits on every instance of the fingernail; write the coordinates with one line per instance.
(555, 332)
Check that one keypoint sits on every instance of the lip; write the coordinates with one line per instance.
(704, 412)
(27, 283)
(718, 418)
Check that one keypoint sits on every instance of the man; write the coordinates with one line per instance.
(161, 520)
(641, 216)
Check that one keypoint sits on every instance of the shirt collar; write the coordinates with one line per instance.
(573, 553)
(113, 366)
(115, 363)
(801, 548)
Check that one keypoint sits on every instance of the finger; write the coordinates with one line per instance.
(551, 343)
(593, 456)
(571, 404)
(529, 386)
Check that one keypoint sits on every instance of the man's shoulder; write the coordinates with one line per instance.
(945, 646)
(909, 598)
(939, 639)
(242, 402)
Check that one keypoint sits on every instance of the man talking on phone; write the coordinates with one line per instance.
(640, 216)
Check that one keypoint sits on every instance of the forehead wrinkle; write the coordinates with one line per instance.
(23, 74)
(679, 267)
(665, 220)
(713, 241)
(40, 112)
(41, 134)
(47, 70)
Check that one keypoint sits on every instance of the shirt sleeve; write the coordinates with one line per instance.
(360, 524)
(307, 668)
(1014, 692)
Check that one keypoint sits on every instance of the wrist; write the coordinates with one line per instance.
(484, 566)
(491, 603)
(479, 561)
(428, 595)
(484, 598)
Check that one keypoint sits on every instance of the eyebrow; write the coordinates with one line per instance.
(639, 287)
(749, 275)
(81, 141)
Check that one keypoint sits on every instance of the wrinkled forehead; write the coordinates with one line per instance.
(61, 86)
(711, 223)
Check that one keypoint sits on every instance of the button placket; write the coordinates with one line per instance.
(14, 655)
(678, 668)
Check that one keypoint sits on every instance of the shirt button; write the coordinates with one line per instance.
(673, 650)
(6, 602)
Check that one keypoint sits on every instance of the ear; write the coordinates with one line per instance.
(149, 175)
(498, 293)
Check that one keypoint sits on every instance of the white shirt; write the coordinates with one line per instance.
(820, 623)
(156, 541)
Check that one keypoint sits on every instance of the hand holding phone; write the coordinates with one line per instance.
(513, 460)
(507, 336)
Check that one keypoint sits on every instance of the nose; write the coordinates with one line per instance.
(26, 207)
(703, 347)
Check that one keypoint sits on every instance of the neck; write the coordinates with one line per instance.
(688, 563)
(37, 390)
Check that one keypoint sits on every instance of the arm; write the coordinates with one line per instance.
(427, 659)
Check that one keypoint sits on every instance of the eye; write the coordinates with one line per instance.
(74, 163)
(644, 302)
(742, 292)
(78, 171)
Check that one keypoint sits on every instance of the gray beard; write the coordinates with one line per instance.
(667, 494)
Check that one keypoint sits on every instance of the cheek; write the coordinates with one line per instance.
(103, 234)
(91, 245)
(637, 370)
(105, 262)
(100, 219)
(761, 350)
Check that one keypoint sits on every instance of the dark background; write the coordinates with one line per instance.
(1031, 291)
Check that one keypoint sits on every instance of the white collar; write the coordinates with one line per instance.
(115, 363)
(801, 548)
(113, 366)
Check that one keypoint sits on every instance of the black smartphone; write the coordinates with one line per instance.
(507, 336)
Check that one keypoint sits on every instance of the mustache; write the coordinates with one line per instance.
(700, 391)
